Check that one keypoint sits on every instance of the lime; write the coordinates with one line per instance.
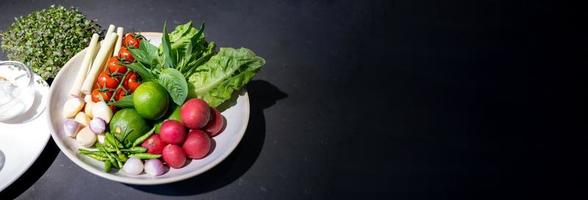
(151, 100)
(128, 120)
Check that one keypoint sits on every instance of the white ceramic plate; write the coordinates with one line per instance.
(23, 139)
(237, 117)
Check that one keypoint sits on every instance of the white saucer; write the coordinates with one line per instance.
(23, 139)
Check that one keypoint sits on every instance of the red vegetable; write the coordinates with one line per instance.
(195, 113)
(130, 39)
(120, 93)
(174, 156)
(106, 81)
(125, 55)
(114, 65)
(197, 144)
(172, 132)
(216, 123)
(98, 95)
(131, 82)
(154, 144)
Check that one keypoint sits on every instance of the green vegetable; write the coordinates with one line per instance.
(125, 102)
(168, 57)
(184, 53)
(95, 155)
(124, 150)
(226, 72)
(112, 156)
(144, 137)
(45, 40)
(145, 156)
(128, 120)
(107, 166)
(175, 83)
(110, 139)
(146, 54)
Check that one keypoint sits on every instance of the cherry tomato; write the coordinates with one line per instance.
(125, 55)
(115, 66)
(120, 93)
(131, 82)
(131, 39)
(113, 108)
(106, 81)
(98, 95)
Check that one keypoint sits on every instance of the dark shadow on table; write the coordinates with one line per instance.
(33, 174)
(262, 95)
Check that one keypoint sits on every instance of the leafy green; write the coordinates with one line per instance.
(145, 73)
(168, 55)
(46, 39)
(175, 84)
(183, 34)
(186, 65)
(228, 71)
(146, 54)
(125, 102)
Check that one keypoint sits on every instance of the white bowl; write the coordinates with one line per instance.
(237, 117)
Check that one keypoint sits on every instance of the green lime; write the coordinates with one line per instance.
(151, 100)
(128, 120)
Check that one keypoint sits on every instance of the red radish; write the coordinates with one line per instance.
(216, 123)
(174, 156)
(195, 113)
(197, 144)
(172, 132)
(154, 144)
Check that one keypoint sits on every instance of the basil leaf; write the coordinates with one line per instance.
(146, 54)
(168, 55)
(143, 71)
(175, 84)
(125, 102)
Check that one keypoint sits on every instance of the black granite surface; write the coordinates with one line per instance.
(418, 99)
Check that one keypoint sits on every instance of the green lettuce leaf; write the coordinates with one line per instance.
(184, 34)
(226, 72)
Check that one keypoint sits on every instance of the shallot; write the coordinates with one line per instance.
(133, 166)
(97, 125)
(71, 127)
(154, 167)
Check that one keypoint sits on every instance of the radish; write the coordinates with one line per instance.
(216, 123)
(154, 144)
(197, 144)
(195, 113)
(172, 132)
(174, 156)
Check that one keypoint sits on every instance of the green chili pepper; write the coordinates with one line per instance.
(107, 166)
(145, 155)
(113, 140)
(143, 137)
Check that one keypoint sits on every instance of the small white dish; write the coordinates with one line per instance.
(237, 117)
(22, 139)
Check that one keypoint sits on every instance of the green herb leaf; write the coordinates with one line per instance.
(169, 59)
(175, 84)
(146, 54)
(143, 71)
(125, 102)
